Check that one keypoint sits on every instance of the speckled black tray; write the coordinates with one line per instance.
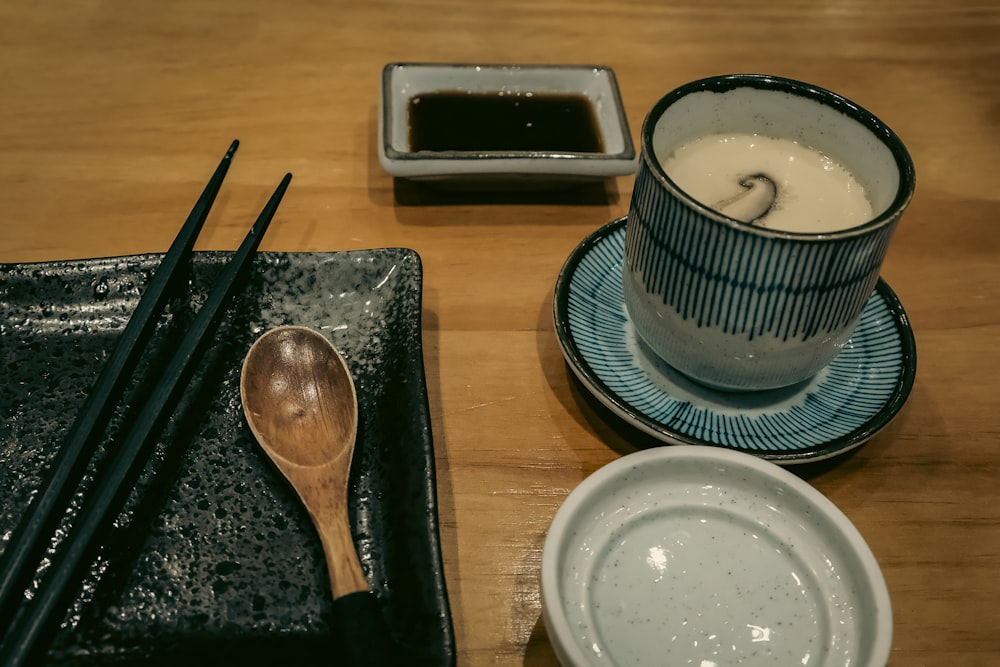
(214, 561)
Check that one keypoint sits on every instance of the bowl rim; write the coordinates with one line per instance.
(557, 626)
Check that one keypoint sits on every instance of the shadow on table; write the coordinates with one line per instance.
(538, 652)
(590, 193)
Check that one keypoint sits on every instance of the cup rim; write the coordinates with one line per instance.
(728, 82)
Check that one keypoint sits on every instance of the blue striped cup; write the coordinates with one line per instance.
(738, 305)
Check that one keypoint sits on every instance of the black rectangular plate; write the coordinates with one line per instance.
(214, 561)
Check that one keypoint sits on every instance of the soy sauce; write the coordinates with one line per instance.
(462, 121)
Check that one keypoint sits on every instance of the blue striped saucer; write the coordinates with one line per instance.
(840, 408)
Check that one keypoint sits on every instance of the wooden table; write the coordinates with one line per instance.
(113, 113)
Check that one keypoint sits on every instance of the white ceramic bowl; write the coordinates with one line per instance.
(708, 557)
(401, 82)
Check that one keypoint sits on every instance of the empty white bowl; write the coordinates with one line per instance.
(402, 82)
(708, 557)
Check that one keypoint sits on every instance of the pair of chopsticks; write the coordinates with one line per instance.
(28, 622)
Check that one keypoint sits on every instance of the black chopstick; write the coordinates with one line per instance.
(29, 539)
(36, 622)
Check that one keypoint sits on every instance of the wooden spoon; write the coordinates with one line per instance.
(300, 402)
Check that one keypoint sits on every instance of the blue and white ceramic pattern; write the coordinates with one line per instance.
(838, 409)
(738, 305)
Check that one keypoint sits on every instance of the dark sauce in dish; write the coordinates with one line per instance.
(451, 120)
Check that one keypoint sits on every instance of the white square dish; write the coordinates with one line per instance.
(403, 82)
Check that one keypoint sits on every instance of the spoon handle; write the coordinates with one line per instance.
(342, 564)
(362, 630)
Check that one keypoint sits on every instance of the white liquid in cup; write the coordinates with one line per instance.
(771, 182)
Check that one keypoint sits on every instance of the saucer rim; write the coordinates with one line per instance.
(660, 431)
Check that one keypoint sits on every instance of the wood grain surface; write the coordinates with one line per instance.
(114, 113)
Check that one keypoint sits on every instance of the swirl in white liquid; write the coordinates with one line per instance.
(776, 183)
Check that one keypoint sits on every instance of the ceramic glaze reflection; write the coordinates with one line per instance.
(695, 584)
